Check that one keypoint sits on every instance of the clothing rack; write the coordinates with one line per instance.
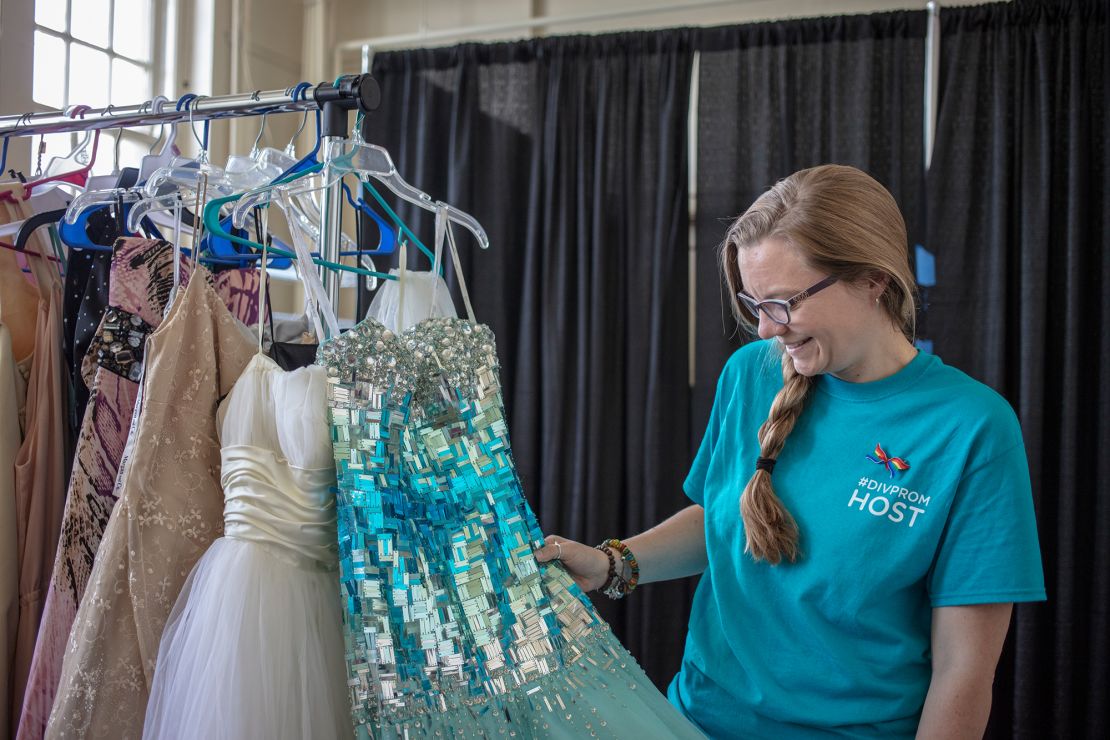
(346, 93)
(334, 99)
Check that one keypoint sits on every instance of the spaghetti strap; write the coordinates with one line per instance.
(402, 268)
(459, 275)
(443, 228)
(319, 304)
(262, 297)
(437, 258)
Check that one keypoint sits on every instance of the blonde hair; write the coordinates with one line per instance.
(845, 224)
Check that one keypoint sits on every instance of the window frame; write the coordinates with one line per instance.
(154, 66)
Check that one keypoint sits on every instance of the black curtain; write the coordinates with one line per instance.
(571, 152)
(774, 98)
(1019, 202)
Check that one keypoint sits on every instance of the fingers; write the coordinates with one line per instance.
(552, 549)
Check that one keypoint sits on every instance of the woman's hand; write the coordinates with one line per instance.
(588, 566)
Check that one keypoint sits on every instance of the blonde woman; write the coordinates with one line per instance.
(862, 515)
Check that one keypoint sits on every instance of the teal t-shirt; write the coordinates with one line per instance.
(838, 643)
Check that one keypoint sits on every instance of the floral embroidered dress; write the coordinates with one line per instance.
(169, 511)
(141, 280)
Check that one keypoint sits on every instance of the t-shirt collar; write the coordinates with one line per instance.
(878, 389)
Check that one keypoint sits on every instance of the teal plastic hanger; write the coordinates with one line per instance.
(260, 197)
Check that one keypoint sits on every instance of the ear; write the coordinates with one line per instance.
(877, 283)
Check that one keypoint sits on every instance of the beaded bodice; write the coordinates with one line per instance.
(446, 606)
(426, 359)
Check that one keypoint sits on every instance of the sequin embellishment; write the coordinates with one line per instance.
(447, 612)
(118, 345)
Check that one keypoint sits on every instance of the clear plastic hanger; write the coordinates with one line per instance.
(196, 180)
(354, 156)
(152, 162)
(94, 196)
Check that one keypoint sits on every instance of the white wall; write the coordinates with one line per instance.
(16, 51)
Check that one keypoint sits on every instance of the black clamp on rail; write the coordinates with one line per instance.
(345, 94)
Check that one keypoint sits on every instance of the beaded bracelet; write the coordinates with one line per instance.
(612, 576)
(617, 586)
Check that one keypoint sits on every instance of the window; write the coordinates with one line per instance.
(93, 52)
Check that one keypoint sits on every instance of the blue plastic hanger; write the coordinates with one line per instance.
(76, 235)
(307, 161)
(387, 241)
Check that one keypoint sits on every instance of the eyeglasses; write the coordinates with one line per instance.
(778, 310)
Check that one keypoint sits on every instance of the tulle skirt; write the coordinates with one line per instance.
(253, 649)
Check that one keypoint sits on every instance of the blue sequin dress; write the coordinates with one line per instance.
(452, 628)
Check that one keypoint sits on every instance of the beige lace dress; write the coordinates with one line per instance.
(170, 509)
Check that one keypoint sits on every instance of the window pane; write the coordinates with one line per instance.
(130, 83)
(51, 13)
(88, 76)
(57, 145)
(132, 150)
(90, 21)
(132, 29)
(50, 70)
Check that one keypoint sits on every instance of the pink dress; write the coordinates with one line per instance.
(39, 466)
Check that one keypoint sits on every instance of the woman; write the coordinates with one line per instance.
(862, 519)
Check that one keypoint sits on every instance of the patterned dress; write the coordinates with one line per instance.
(84, 299)
(141, 278)
(169, 509)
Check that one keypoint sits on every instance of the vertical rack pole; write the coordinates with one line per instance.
(334, 130)
(932, 77)
(336, 100)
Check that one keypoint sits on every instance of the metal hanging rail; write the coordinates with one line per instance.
(348, 92)
(335, 100)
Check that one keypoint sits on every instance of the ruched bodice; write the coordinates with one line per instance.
(277, 469)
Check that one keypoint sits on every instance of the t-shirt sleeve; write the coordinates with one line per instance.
(695, 480)
(989, 551)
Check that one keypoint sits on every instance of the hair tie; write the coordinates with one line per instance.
(765, 463)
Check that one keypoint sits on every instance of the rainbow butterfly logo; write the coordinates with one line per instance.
(891, 463)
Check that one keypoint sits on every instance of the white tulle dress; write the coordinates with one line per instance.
(254, 645)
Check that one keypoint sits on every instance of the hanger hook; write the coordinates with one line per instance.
(148, 107)
(157, 106)
(161, 130)
(290, 149)
(115, 149)
(24, 120)
(42, 151)
(119, 135)
(192, 104)
(257, 139)
(356, 132)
